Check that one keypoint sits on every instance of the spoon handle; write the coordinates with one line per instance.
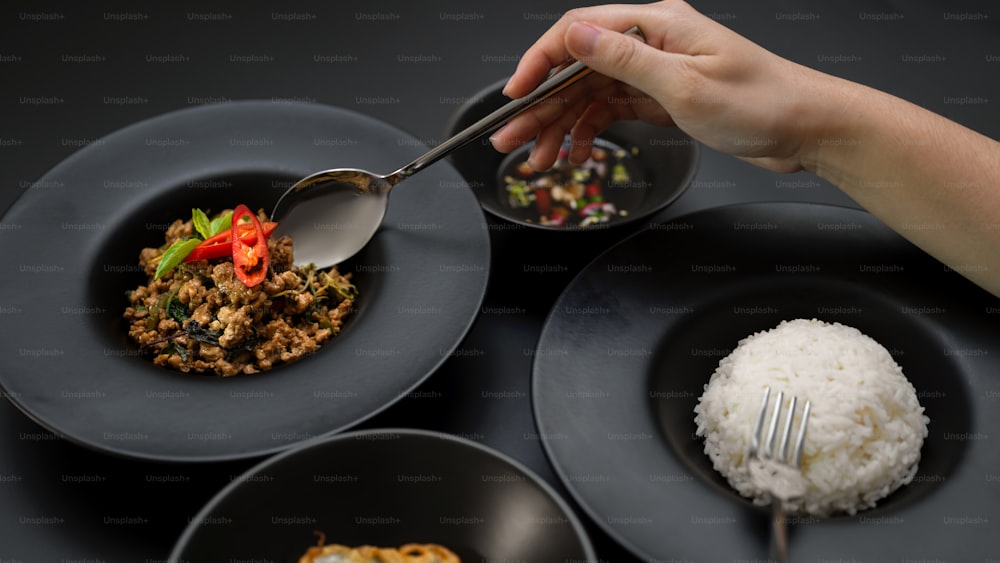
(556, 82)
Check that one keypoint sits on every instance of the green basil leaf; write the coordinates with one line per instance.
(221, 223)
(175, 348)
(177, 310)
(174, 255)
(201, 223)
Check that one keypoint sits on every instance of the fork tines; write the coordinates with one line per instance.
(767, 451)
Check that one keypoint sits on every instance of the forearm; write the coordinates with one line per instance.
(932, 180)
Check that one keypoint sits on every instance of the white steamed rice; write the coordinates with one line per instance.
(865, 430)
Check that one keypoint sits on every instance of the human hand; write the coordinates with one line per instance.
(738, 98)
(718, 87)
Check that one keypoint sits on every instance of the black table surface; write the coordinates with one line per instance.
(74, 72)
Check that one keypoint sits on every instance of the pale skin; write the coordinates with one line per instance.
(934, 181)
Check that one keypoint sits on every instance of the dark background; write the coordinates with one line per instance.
(73, 73)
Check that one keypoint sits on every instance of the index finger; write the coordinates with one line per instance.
(549, 51)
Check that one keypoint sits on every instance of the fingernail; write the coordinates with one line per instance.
(495, 136)
(582, 37)
(532, 161)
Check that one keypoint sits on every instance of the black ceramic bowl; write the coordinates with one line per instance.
(387, 488)
(71, 247)
(664, 162)
(628, 348)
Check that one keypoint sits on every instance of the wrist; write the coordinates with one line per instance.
(832, 126)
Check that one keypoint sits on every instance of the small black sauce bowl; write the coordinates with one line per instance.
(666, 158)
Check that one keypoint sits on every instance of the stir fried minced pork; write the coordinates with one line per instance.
(201, 318)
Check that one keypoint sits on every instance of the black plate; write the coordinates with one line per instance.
(71, 245)
(627, 349)
(387, 488)
(667, 160)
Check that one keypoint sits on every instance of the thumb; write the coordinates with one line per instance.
(616, 55)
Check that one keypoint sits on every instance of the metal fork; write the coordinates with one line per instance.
(778, 471)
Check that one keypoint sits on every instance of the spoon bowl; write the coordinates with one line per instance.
(332, 214)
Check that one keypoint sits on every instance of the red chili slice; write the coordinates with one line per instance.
(250, 260)
(543, 201)
(209, 252)
(221, 245)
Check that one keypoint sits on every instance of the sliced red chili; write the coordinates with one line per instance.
(209, 252)
(543, 202)
(250, 260)
(221, 245)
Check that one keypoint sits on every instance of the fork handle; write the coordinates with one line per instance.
(779, 533)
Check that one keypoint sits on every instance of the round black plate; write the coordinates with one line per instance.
(627, 349)
(71, 244)
(387, 488)
(666, 158)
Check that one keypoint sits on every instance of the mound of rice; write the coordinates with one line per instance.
(865, 429)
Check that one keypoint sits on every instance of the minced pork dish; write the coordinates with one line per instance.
(215, 306)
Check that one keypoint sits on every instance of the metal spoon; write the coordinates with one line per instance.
(332, 214)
